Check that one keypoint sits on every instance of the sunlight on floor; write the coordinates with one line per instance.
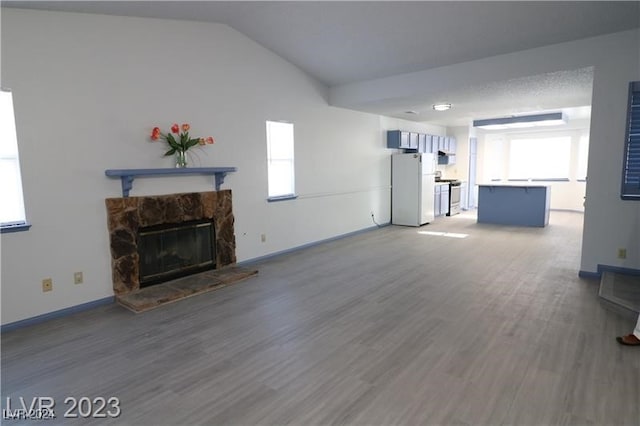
(444, 234)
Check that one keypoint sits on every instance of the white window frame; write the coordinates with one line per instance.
(280, 160)
(12, 211)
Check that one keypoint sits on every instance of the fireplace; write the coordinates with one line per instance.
(158, 238)
(174, 250)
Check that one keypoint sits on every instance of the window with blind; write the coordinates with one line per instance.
(631, 164)
(12, 214)
(280, 161)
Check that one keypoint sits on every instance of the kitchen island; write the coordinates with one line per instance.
(524, 204)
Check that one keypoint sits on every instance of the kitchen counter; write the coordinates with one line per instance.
(517, 184)
(525, 204)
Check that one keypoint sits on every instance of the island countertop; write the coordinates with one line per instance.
(517, 184)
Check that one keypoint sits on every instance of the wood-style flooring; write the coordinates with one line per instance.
(621, 289)
(396, 326)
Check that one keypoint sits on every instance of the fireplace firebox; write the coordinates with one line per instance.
(128, 216)
(169, 251)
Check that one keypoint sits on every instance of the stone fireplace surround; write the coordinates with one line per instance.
(126, 215)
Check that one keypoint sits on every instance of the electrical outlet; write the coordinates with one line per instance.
(47, 284)
(77, 278)
(263, 237)
(622, 253)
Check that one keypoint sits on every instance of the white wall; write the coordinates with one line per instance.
(610, 223)
(88, 89)
(392, 123)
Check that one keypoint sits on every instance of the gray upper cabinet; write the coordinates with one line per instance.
(402, 140)
(429, 143)
(397, 139)
(413, 140)
(420, 142)
(445, 144)
(442, 143)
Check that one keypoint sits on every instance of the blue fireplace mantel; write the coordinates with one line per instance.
(128, 175)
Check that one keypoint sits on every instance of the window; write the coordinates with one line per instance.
(280, 165)
(12, 215)
(540, 159)
(631, 164)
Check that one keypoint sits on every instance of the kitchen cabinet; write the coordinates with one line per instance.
(441, 201)
(444, 200)
(421, 142)
(447, 160)
(519, 205)
(413, 140)
(429, 144)
(402, 140)
(447, 145)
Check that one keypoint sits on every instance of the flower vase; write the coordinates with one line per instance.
(181, 159)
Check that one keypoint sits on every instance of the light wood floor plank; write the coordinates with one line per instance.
(393, 326)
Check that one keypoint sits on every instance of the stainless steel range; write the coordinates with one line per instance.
(454, 195)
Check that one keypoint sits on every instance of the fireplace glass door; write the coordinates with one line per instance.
(171, 251)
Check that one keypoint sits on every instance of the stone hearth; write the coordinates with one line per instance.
(171, 291)
(126, 215)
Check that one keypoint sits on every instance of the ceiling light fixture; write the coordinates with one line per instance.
(441, 107)
(519, 121)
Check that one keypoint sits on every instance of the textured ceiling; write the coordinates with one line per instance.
(343, 42)
(553, 91)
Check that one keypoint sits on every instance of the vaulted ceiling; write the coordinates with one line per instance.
(345, 42)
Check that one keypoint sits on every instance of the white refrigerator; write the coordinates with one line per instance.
(412, 188)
